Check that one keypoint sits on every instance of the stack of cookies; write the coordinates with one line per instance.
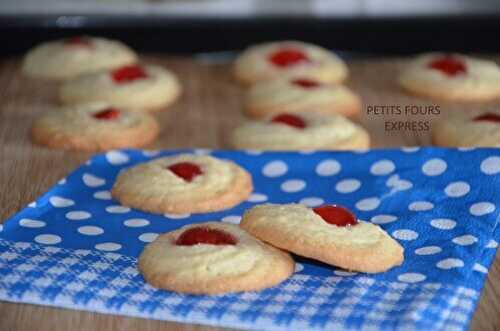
(107, 95)
(214, 257)
(295, 100)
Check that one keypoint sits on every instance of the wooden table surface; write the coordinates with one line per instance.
(209, 108)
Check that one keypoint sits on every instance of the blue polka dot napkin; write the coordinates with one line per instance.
(75, 247)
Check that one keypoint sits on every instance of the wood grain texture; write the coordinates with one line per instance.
(209, 108)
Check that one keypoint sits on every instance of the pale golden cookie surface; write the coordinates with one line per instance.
(461, 78)
(248, 265)
(362, 247)
(68, 58)
(304, 60)
(300, 95)
(152, 88)
(152, 186)
(321, 132)
(94, 127)
(468, 129)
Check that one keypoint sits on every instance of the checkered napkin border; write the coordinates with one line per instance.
(110, 283)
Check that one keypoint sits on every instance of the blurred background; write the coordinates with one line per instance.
(186, 26)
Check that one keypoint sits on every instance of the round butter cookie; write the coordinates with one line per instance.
(213, 258)
(289, 59)
(300, 95)
(135, 87)
(68, 58)
(462, 129)
(183, 183)
(94, 127)
(452, 77)
(304, 131)
(328, 233)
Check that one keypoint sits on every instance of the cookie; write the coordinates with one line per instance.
(289, 59)
(300, 95)
(465, 129)
(136, 87)
(94, 127)
(183, 183)
(213, 258)
(452, 77)
(68, 58)
(304, 131)
(328, 233)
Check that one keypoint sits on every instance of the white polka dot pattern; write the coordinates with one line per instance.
(443, 223)
(233, 219)
(382, 168)
(48, 239)
(420, 206)
(78, 215)
(491, 165)
(117, 157)
(457, 189)
(383, 219)
(89, 230)
(405, 234)
(328, 168)
(368, 204)
(428, 250)
(348, 185)
(434, 167)
(411, 277)
(482, 208)
(275, 169)
(450, 263)
(312, 201)
(257, 197)
(293, 185)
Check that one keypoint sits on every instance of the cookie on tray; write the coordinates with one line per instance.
(94, 127)
(304, 131)
(329, 233)
(213, 258)
(289, 59)
(294, 95)
(468, 129)
(451, 77)
(134, 87)
(68, 58)
(183, 183)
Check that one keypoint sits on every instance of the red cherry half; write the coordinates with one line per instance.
(186, 170)
(201, 235)
(78, 41)
(488, 117)
(287, 57)
(336, 215)
(305, 83)
(290, 120)
(449, 65)
(128, 74)
(107, 114)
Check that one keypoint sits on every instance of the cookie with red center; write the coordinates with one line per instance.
(183, 183)
(330, 233)
(289, 59)
(74, 56)
(468, 129)
(132, 87)
(451, 77)
(300, 131)
(213, 258)
(94, 127)
(300, 95)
